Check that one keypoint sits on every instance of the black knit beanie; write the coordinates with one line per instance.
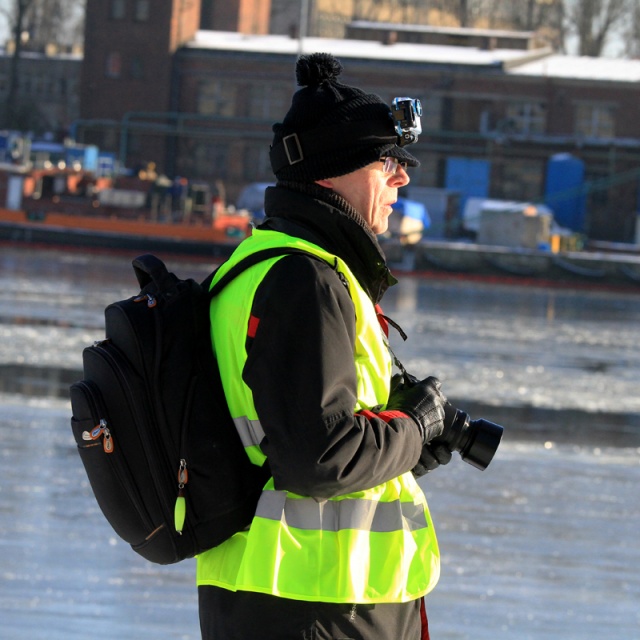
(331, 128)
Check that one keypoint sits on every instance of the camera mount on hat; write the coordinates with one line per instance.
(333, 129)
(406, 114)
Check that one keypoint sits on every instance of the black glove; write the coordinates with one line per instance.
(434, 454)
(422, 400)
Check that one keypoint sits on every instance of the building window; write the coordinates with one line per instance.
(141, 11)
(431, 113)
(137, 68)
(257, 166)
(118, 9)
(211, 159)
(267, 102)
(217, 98)
(526, 118)
(594, 121)
(113, 67)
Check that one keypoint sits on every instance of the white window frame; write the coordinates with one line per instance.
(594, 120)
(526, 117)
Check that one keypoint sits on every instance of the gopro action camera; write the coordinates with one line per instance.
(406, 114)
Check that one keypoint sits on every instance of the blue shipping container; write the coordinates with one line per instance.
(564, 191)
(470, 177)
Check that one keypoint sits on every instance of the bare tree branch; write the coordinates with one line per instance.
(592, 21)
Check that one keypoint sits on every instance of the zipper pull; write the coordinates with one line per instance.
(151, 301)
(107, 441)
(100, 429)
(180, 509)
(183, 474)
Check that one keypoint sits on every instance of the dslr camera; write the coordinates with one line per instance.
(475, 440)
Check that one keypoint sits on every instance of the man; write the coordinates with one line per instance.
(342, 544)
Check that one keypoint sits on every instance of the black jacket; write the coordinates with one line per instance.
(300, 364)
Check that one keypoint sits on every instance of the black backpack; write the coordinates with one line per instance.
(151, 422)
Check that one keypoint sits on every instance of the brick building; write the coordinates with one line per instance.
(48, 89)
(200, 103)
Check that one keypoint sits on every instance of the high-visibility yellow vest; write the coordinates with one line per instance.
(371, 546)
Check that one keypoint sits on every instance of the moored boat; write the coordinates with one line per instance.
(73, 208)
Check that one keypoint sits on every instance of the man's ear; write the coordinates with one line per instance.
(328, 183)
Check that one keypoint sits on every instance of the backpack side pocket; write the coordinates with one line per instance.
(106, 468)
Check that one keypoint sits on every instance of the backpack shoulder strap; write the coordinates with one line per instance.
(249, 261)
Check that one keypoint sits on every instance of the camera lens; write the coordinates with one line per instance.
(475, 440)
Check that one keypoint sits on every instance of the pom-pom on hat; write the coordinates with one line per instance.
(331, 128)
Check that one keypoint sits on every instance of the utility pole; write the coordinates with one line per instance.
(304, 23)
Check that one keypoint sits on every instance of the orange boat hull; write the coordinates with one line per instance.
(56, 228)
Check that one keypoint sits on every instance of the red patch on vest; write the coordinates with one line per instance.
(253, 326)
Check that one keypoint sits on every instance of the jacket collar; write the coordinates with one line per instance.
(319, 215)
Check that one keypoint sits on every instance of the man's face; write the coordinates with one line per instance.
(371, 192)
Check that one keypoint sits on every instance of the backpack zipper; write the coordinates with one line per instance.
(159, 459)
(118, 464)
(101, 429)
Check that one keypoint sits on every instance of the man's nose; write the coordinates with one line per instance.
(400, 177)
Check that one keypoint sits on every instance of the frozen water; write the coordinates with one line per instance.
(499, 344)
(542, 544)
(492, 344)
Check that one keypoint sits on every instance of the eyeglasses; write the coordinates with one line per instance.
(391, 165)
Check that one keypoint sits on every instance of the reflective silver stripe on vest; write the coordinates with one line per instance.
(250, 431)
(334, 515)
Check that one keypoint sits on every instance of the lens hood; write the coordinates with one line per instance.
(481, 441)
